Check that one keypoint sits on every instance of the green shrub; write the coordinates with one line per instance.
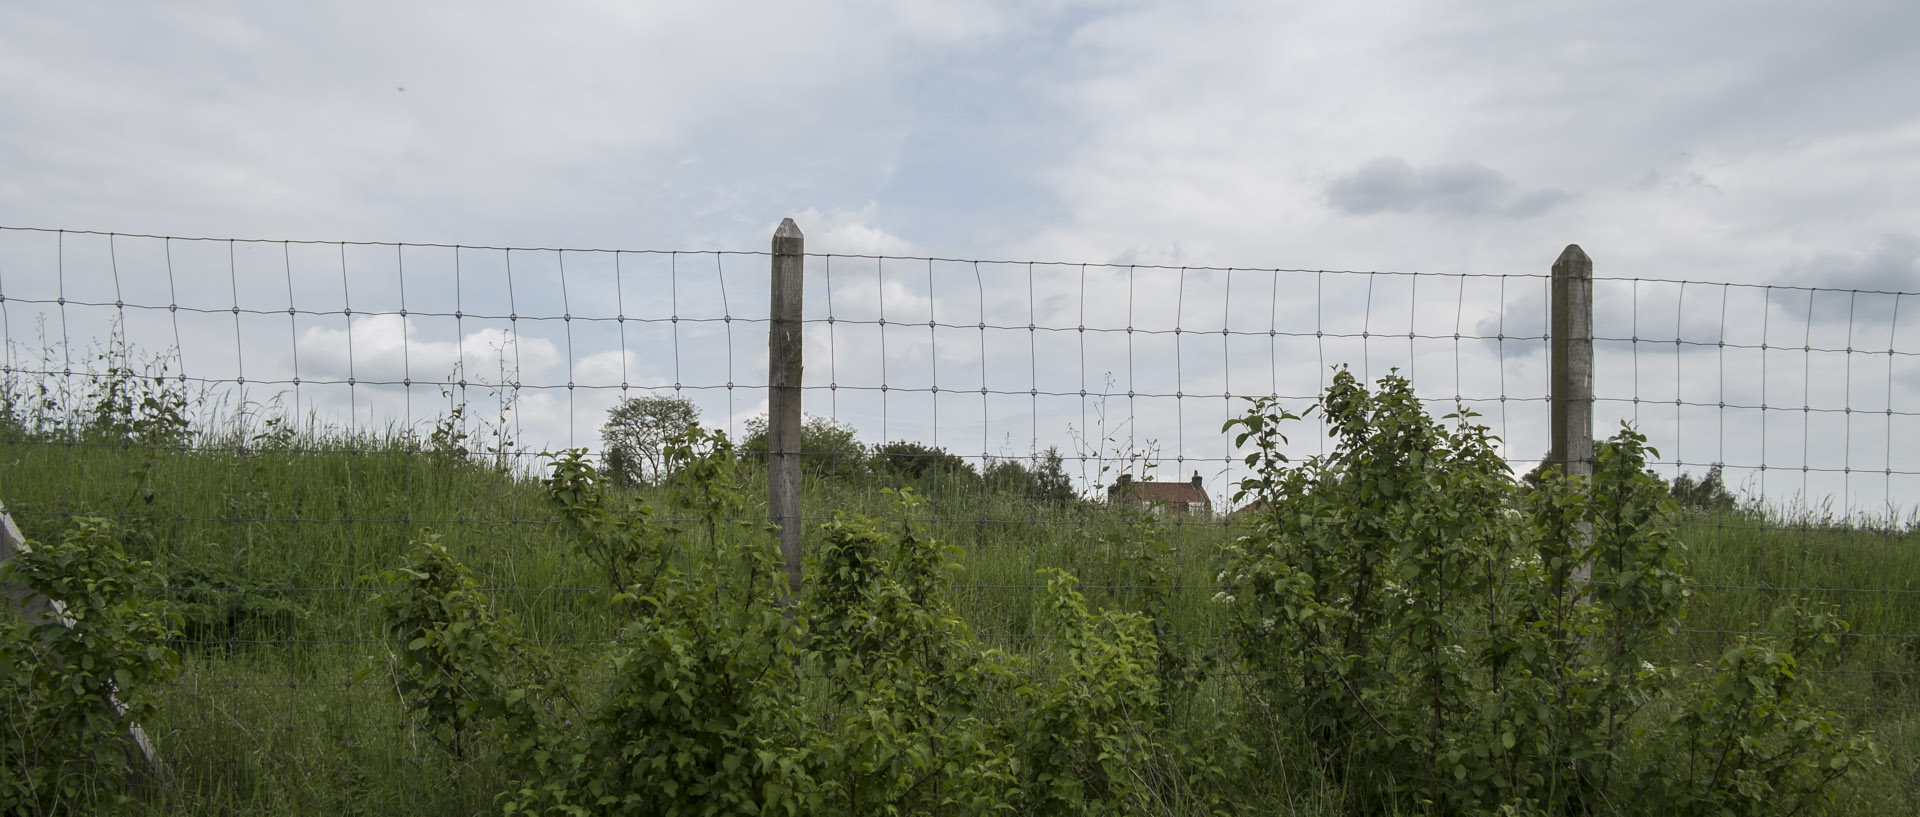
(1086, 725)
(701, 714)
(463, 667)
(70, 690)
(1751, 736)
(913, 695)
(707, 704)
(1457, 646)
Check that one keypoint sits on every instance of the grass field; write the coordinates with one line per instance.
(273, 547)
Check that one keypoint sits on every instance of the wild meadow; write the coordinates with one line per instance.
(425, 621)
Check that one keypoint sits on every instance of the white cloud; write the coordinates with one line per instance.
(851, 232)
(391, 349)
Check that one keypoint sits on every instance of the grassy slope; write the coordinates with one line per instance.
(277, 723)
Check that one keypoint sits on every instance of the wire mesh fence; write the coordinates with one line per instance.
(284, 416)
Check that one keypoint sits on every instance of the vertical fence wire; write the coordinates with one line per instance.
(1112, 353)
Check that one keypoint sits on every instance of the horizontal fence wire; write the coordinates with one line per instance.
(341, 399)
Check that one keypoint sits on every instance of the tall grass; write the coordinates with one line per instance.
(271, 533)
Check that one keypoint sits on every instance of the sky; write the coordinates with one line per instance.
(1164, 158)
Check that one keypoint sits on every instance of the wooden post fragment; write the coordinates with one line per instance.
(783, 395)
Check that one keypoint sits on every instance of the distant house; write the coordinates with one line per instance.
(1181, 498)
(1249, 509)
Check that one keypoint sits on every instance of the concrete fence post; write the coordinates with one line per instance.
(1571, 369)
(1571, 366)
(784, 363)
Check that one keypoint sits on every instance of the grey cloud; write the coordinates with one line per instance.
(1676, 181)
(1517, 327)
(1893, 266)
(1850, 293)
(1391, 184)
(1649, 316)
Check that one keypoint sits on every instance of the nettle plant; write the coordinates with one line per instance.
(1425, 627)
(867, 695)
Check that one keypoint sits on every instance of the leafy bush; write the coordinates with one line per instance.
(1751, 737)
(702, 712)
(464, 667)
(1085, 727)
(612, 531)
(1440, 639)
(70, 690)
(1457, 646)
(912, 692)
(705, 709)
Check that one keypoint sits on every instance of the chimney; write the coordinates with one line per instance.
(1197, 484)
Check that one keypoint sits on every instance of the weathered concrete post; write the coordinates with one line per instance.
(1571, 369)
(1571, 366)
(783, 396)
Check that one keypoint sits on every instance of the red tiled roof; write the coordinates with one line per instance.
(1178, 493)
(1176, 496)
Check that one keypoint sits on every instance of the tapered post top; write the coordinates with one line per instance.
(787, 240)
(1573, 263)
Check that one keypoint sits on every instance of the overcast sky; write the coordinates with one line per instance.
(1723, 142)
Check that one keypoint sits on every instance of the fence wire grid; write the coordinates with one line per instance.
(1802, 396)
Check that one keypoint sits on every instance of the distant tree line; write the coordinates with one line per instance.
(638, 428)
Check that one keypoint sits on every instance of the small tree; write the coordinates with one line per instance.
(829, 449)
(921, 464)
(1050, 481)
(1045, 480)
(1708, 493)
(636, 434)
